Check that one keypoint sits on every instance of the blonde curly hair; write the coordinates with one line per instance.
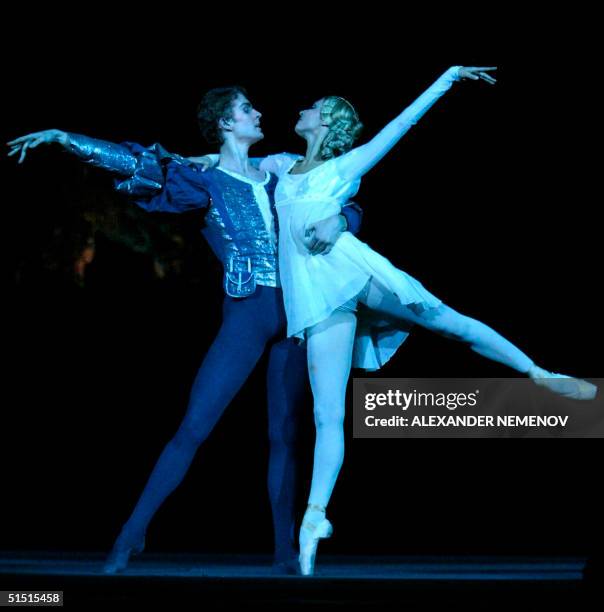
(344, 126)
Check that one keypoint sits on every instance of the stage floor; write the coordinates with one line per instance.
(354, 582)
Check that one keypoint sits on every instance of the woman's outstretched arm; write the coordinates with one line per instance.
(356, 163)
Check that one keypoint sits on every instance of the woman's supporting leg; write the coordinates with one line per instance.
(330, 346)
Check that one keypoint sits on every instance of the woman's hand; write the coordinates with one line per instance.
(477, 72)
(205, 162)
(31, 141)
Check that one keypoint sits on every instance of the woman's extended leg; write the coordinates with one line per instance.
(479, 337)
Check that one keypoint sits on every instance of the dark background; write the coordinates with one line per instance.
(489, 201)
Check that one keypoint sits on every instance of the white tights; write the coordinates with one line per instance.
(330, 346)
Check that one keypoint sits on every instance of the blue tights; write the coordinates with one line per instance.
(249, 327)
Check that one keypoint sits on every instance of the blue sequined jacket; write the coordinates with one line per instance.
(165, 182)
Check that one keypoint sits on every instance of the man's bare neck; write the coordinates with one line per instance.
(239, 162)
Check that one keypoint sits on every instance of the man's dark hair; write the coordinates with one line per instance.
(215, 105)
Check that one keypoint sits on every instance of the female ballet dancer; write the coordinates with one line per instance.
(321, 293)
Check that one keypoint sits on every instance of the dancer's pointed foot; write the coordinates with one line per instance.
(124, 546)
(573, 388)
(314, 528)
(285, 560)
(287, 567)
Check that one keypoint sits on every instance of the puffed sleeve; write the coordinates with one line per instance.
(183, 188)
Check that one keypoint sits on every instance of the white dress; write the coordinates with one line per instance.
(314, 286)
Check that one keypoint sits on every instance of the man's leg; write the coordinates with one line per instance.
(231, 358)
(286, 382)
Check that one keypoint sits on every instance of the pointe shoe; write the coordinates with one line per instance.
(310, 534)
(566, 386)
(118, 558)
